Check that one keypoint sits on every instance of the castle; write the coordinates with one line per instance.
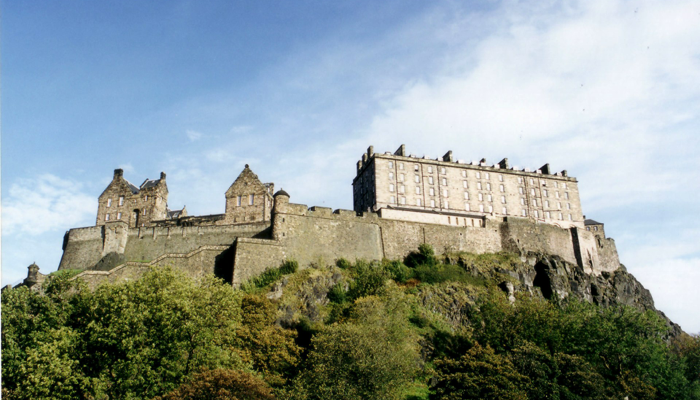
(400, 202)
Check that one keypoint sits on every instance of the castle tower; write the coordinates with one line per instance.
(137, 206)
(248, 199)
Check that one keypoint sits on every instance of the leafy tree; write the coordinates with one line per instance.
(221, 384)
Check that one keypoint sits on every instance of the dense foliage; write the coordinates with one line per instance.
(418, 329)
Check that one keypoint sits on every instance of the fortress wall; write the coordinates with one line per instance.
(83, 248)
(321, 237)
(607, 254)
(123, 273)
(254, 256)
(146, 244)
(522, 235)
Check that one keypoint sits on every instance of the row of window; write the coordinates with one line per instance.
(121, 200)
(482, 208)
(251, 200)
(119, 215)
(478, 174)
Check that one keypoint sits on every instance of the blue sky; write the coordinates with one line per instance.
(607, 89)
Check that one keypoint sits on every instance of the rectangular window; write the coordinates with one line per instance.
(503, 199)
(119, 215)
(402, 189)
(556, 184)
(489, 197)
(400, 165)
(478, 175)
(568, 206)
(561, 216)
(444, 182)
(566, 195)
(144, 212)
(571, 218)
(563, 185)
(432, 191)
(251, 200)
(442, 170)
(465, 184)
(402, 177)
(430, 180)
(559, 205)
(391, 187)
(107, 217)
(532, 182)
(447, 204)
(500, 179)
(391, 176)
(430, 169)
(481, 208)
(238, 201)
(121, 200)
(502, 188)
(466, 207)
(547, 215)
(109, 202)
(403, 200)
(534, 202)
(521, 190)
(415, 167)
(524, 213)
(444, 193)
(488, 186)
(505, 211)
(145, 198)
(532, 192)
(478, 185)
(416, 178)
(481, 197)
(464, 173)
(432, 203)
(556, 194)
(391, 164)
(490, 209)
(520, 179)
(418, 202)
(522, 202)
(466, 196)
(417, 189)
(486, 175)
(546, 193)
(546, 203)
(392, 199)
(537, 214)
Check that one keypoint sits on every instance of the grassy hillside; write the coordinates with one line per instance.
(457, 327)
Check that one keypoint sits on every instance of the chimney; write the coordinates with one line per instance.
(370, 151)
(448, 156)
(118, 173)
(162, 176)
(545, 169)
(401, 151)
(504, 163)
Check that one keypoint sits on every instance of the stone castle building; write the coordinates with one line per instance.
(400, 202)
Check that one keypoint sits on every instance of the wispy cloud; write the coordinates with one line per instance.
(193, 135)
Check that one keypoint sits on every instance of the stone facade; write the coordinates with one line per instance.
(135, 206)
(259, 230)
(443, 186)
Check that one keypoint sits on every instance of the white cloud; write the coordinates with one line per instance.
(193, 135)
(46, 203)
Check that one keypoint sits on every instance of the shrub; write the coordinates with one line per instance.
(221, 384)
(343, 263)
(369, 279)
(338, 294)
(289, 267)
(441, 273)
(399, 272)
(424, 256)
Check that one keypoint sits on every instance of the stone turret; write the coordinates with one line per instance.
(281, 206)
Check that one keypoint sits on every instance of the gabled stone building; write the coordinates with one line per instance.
(248, 199)
(136, 206)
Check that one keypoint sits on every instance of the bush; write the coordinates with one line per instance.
(441, 273)
(289, 267)
(424, 256)
(343, 263)
(399, 272)
(338, 294)
(271, 275)
(221, 384)
(369, 279)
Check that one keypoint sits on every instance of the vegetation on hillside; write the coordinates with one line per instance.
(417, 329)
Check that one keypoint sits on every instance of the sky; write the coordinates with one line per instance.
(606, 89)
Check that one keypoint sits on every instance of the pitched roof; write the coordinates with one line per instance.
(133, 187)
(592, 222)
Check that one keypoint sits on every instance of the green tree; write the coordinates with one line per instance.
(221, 384)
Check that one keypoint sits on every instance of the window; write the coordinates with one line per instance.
(400, 165)
(596, 228)
(444, 181)
(500, 179)
(556, 184)
(481, 208)
(403, 200)
(466, 196)
(532, 181)
(522, 201)
(524, 213)
(521, 190)
(430, 169)
(415, 167)
(534, 202)
(416, 178)
(490, 209)
(561, 216)
(502, 188)
(466, 207)
(107, 217)
(145, 198)
(532, 192)
(418, 202)
(546, 194)
(588, 228)
(417, 189)
(478, 175)
(547, 215)
(432, 191)
(430, 180)
(144, 212)
(537, 214)
(464, 173)
(465, 184)
(478, 185)
(503, 199)
(391, 188)
(402, 189)
(570, 218)
(251, 199)
(546, 203)
(119, 215)
(488, 186)
(391, 176)
(563, 185)
(402, 177)
(505, 211)
(442, 170)
(559, 205)
(432, 203)
(392, 200)
(109, 202)
(556, 194)
(238, 201)
(391, 164)
(520, 179)
(486, 175)
(489, 197)
(447, 204)
(568, 206)
(121, 200)
(566, 195)
(481, 197)
(444, 193)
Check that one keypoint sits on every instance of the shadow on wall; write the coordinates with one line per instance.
(542, 280)
(223, 264)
